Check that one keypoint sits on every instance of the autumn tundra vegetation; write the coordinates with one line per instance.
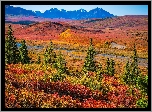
(50, 79)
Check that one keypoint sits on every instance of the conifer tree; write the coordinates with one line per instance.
(134, 65)
(51, 47)
(132, 73)
(11, 50)
(24, 58)
(61, 64)
(110, 70)
(61, 68)
(52, 56)
(46, 57)
(107, 66)
(127, 76)
(89, 64)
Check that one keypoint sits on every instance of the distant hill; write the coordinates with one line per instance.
(95, 27)
(55, 13)
(128, 21)
(124, 30)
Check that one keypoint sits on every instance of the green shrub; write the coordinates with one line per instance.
(142, 103)
(58, 77)
(142, 83)
(133, 76)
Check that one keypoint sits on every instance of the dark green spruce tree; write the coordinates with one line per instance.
(133, 77)
(24, 58)
(46, 57)
(11, 50)
(110, 70)
(61, 68)
(50, 55)
(134, 66)
(131, 71)
(139, 79)
(61, 64)
(127, 75)
(89, 64)
(108, 66)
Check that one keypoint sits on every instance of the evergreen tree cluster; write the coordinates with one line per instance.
(89, 64)
(61, 68)
(132, 75)
(13, 55)
(131, 71)
(56, 61)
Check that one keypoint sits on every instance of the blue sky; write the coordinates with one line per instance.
(119, 10)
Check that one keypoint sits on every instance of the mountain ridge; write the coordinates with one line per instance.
(10, 10)
(55, 13)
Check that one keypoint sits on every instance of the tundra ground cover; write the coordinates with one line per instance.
(55, 77)
(28, 85)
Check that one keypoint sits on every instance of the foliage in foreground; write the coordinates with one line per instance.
(112, 93)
